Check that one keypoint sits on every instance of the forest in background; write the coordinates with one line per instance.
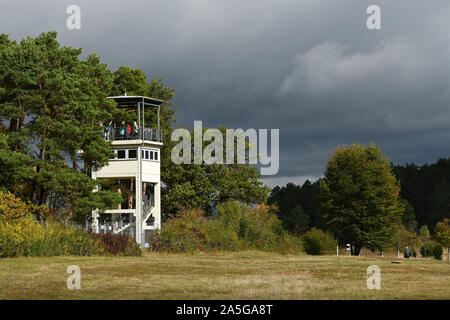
(425, 189)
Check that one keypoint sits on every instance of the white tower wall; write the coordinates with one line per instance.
(141, 170)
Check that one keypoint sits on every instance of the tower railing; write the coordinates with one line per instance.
(150, 134)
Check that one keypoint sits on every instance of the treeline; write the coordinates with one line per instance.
(298, 206)
(425, 192)
(427, 189)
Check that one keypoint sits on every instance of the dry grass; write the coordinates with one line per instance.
(243, 275)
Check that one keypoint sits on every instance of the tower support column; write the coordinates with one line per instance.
(158, 205)
(138, 208)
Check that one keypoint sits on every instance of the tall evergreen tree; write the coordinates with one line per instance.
(290, 198)
(53, 102)
(426, 188)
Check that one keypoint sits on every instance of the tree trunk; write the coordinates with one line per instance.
(355, 250)
(42, 196)
(74, 160)
(13, 124)
(21, 121)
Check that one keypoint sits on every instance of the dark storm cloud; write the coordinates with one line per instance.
(310, 68)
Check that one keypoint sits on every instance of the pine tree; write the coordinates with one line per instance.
(54, 102)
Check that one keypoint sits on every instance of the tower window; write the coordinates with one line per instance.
(150, 154)
(132, 154)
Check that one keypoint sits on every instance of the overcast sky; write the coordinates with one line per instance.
(308, 67)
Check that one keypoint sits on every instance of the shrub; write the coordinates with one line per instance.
(117, 244)
(426, 250)
(318, 242)
(21, 235)
(414, 253)
(258, 228)
(234, 227)
(218, 237)
(437, 252)
(183, 234)
(12, 208)
(26, 237)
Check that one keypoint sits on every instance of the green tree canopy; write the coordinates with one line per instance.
(359, 197)
(291, 197)
(427, 189)
(207, 185)
(52, 102)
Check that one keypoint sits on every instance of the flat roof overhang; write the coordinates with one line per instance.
(132, 101)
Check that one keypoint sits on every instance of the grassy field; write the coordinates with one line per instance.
(243, 275)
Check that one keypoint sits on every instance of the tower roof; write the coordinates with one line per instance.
(132, 101)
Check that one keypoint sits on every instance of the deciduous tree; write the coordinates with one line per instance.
(442, 234)
(359, 197)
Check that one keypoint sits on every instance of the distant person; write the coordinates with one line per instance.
(108, 130)
(135, 130)
(122, 130)
(100, 123)
(407, 253)
(128, 130)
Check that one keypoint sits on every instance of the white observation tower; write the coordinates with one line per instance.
(134, 172)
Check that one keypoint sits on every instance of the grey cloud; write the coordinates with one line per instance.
(331, 67)
(310, 68)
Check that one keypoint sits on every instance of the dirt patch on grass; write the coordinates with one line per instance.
(396, 269)
(297, 272)
(407, 269)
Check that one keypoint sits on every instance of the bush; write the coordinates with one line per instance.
(181, 234)
(235, 227)
(117, 244)
(218, 237)
(12, 208)
(414, 253)
(437, 252)
(426, 250)
(26, 237)
(21, 235)
(318, 242)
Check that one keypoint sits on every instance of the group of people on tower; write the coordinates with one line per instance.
(123, 132)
